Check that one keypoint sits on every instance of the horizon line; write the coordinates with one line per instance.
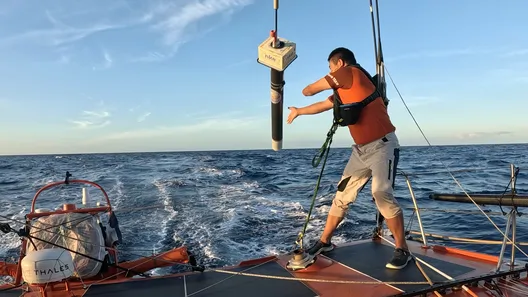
(232, 150)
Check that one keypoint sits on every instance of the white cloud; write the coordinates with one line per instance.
(107, 61)
(90, 124)
(102, 114)
(140, 111)
(475, 135)
(176, 22)
(207, 125)
(92, 119)
(59, 35)
(89, 18)
(143, 117)
(153, 56)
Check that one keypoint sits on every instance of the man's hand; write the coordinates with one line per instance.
(315, 108)
(294, 112)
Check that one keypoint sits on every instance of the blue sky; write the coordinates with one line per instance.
(153, 75)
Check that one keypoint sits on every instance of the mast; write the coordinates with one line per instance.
(381, 85)
(378, 51)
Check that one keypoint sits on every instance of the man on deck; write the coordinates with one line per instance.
(375, 153)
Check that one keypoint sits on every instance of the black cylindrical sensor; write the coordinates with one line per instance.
(277, 88)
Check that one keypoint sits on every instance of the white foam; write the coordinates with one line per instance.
(117, 196)
(166, 198)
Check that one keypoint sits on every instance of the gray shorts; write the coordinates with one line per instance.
(377, 159)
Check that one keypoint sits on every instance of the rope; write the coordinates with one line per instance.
(229, 277)
(323, 152)
(319, 280)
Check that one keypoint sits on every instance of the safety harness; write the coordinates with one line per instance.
(348, 114)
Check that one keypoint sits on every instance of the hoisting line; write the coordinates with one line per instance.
(323, 152)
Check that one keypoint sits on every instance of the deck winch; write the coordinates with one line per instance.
(300, 260)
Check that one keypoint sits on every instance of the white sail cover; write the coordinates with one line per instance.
(75, 231)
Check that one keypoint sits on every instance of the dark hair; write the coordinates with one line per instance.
(344, 54)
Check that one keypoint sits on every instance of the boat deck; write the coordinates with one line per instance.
(361, 261)
(193, 285)
(374, 256)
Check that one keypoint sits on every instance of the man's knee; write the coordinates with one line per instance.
(387, 205)
(338, 211)
(339, 206)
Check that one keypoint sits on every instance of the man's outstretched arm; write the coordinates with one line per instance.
(316, 108)
(341, 78)
(316, 87)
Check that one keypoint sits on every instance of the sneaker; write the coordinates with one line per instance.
(320, 247)
(399, 260)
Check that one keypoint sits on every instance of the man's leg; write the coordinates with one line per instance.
(355, 176)
(331, 224)
(383, 161)
(396, 227)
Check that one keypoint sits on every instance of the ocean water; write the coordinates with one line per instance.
(227, 206)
